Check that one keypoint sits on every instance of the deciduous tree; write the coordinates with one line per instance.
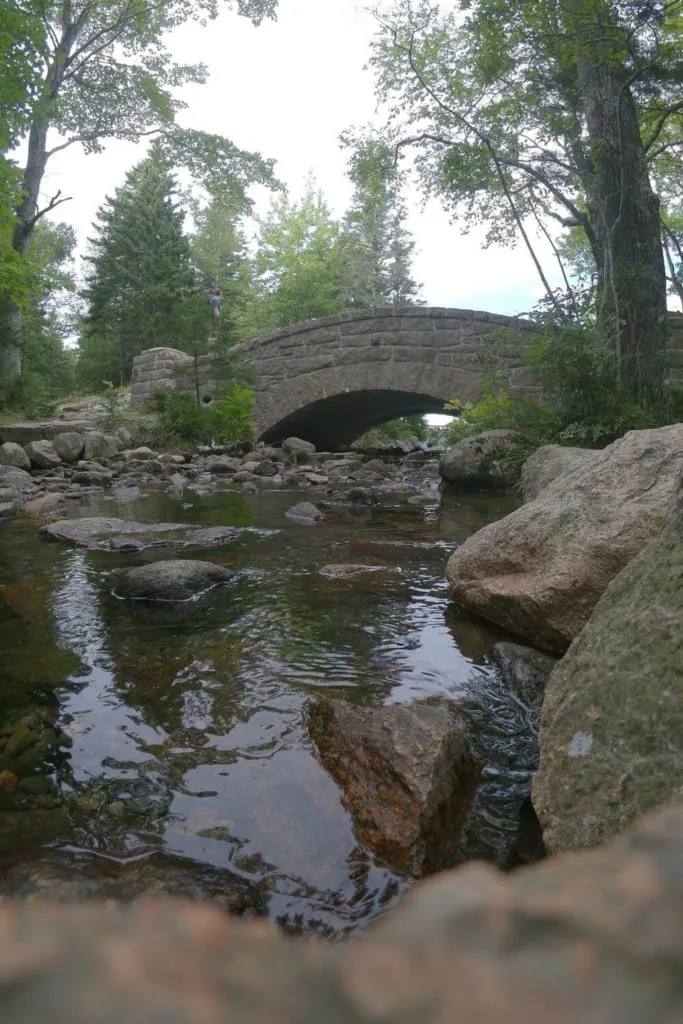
(296, 266)
(549, 112)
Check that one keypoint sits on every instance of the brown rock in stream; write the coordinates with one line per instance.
(406, 776)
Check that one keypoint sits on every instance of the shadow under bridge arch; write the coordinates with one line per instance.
(333, 423)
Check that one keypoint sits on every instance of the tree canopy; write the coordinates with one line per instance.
(93, 70)
(554, 114)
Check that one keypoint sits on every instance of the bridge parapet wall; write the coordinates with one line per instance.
(422, 356)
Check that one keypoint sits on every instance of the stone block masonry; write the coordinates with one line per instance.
(330, 379)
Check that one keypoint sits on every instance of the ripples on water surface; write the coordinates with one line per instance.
(187, 727)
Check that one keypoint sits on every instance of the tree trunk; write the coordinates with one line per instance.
(10, 315)
(624, 214)
(10, 342)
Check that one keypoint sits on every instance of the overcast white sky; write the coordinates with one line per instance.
(288, 89)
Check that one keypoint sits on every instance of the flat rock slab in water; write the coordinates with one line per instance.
(104, 534)
(173, 580)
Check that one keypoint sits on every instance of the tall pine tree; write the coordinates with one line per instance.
(141, 280)
(376, 246)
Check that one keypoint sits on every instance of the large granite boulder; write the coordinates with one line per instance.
(540, 571)
(69, 446)
(173, 580)
(549, 462)
(406, 776)
(483, 462)
(42, 454)
(12, 454)
(612, 724)
(595, 937)
(104, 534)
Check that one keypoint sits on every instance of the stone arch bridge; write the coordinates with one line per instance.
(330, 380)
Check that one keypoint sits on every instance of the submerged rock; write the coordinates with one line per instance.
(52, 504)
(173, 580)
(406, 776)
(482, 462)
(100, 533)
(305, 512)
(65, 877)
(549, 462)
(612, 724)
(347, 571)
(540, 571)
(525, 670)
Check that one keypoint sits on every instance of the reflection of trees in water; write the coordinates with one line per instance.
(31, 653)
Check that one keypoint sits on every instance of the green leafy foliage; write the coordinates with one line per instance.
(582, 406)
(20, 67)
(95, 70)
(296, 268)
(528, 115)
(219, 254)
(49, 321)
(229, 418)
(401, 429)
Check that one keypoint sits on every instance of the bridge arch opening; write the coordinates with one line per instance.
(333, 423)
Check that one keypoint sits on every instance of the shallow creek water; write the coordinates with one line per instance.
(187, 726)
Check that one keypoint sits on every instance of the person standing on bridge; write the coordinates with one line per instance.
(215, 303)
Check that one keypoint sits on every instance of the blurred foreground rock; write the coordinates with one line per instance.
(595, 938)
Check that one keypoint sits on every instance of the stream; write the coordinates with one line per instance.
(189, 746)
